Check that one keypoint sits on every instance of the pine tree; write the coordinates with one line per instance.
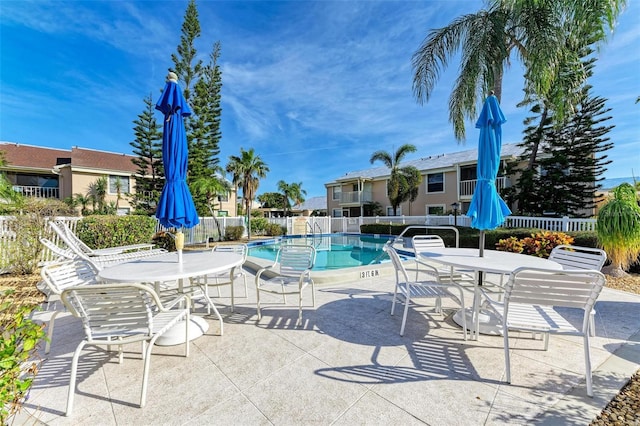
(205, 129)
(188, 72)
(147, 147)
(574, 162)
(564, 160)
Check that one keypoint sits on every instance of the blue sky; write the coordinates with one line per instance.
(315, 87)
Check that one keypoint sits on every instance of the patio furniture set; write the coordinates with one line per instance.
(141, 294)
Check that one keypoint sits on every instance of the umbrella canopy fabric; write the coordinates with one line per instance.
(488, 210)
(175, 207)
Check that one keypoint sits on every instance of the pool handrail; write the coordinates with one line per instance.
(399, 239)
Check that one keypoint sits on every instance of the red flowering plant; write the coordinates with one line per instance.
(539, 244)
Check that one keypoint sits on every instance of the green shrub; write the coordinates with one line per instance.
(233, 233)
(259, 225)
(18, 343)
(165, 240)
(108, 231)
(274, 230)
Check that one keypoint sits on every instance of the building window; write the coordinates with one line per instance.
(123, 211)
(435, 182)
(435, 210)
(390, 211)
(223, 213)
(336, 213)
(124, 184)
(337, 191)
(223, 198)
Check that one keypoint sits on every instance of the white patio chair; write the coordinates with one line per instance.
(56, 277)
(225, 278)
(103, 260)
(60, 253)
(292, 265)
(426, 285)
(580, 258)
(118, 314)
(422, 243)
(530, 298)
(60, 226)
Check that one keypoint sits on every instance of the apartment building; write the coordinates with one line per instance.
(59, 173)
(448, 181)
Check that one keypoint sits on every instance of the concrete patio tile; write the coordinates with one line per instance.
(346, 364)
(372, 409)
(250, 356)
(234, 410)
(296, 395)
(437, 398)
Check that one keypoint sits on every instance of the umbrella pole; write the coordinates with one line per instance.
(481, 255)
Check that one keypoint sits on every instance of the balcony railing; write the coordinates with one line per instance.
(37, 191)
(467, 187)
(356, 197)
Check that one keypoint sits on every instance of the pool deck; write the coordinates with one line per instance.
(347, 364)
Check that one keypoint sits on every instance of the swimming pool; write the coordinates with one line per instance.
(333, 251)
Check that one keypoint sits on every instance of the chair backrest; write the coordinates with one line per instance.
(240, 249)
(70, 238)
(574, 289)
(425, 242)
(294, 260)
(401, 272)
(110, 311)
(62, 253)
(70, 273)
(576, 257)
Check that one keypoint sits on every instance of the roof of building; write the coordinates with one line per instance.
(313, 203)
(20, 155)
(432, 162)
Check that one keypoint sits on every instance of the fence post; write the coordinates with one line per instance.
(565, 223)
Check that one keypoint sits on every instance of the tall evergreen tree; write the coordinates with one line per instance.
(147, 147)
(565, 159)
(186, 66)
(205, 127)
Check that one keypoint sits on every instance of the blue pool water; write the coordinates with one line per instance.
(333, 251)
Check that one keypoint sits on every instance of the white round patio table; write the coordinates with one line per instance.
(166, 267)
(492, 261)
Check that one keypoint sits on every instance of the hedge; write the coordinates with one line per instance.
(103, 231)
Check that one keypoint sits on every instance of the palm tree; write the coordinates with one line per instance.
(285, 189)
(618, 228)
(293, 194)
(247, 170)
(211, 188)
(297, 193)
(538, 33)
(397, 188)
(83, 201)
(414, 178)
(98, 194)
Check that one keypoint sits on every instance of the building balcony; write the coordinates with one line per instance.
(355, 197)
(37, 191)
(467, 187)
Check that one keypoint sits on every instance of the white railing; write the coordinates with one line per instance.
(356, 197)
(207, 229)
(467, 187)
(36, 191)
(564, 224)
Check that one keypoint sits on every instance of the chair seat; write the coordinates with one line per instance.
(535, 318)
(275, 284)
(433, 289)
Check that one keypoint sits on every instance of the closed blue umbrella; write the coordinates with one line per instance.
(175, 207)
(488, 210)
